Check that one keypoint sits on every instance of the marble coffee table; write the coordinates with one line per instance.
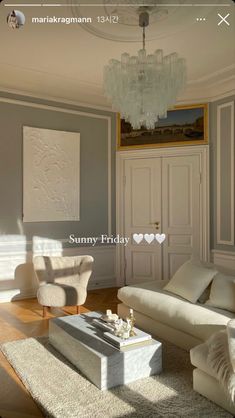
(103, 364)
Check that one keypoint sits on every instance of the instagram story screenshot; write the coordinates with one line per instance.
(117, 208)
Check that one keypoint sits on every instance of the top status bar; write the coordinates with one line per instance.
(118, 4)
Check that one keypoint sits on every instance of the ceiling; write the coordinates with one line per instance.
(66, 62)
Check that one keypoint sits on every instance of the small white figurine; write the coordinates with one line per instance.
(118, 327)
(109, 316)
(126, 329)
(122, 329)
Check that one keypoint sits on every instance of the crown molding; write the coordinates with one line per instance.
(193, 94)
(230, 78)
(92, 97)
(223, 73)
(211, 93)
(60, 100)
(206, 99)
(223, 96)
(226, 71)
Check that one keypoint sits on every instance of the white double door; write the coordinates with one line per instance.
(162, 195)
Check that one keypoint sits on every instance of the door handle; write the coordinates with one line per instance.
(156, 224)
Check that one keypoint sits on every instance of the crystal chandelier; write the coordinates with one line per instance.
(141, 88)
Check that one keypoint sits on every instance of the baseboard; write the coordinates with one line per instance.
(16, 294)
(225, 259)
(102, 284)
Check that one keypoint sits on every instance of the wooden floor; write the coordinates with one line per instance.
(23, 319)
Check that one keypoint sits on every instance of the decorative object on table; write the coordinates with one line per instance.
(62, 280)
(109, 316)
(184, 125)
(118, 332)
(122, 341)
(122, 329)
(126, 330)
(118, 327)
(131, 320)
(142, 88)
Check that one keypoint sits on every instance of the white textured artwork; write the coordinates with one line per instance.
(51, 175)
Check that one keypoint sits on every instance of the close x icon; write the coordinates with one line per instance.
(223, 19)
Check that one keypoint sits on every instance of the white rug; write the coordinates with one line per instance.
(61, 392)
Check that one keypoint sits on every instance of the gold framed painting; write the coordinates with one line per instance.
(184, 125)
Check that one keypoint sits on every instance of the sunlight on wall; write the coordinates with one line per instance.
(46, 246)
(17, 276)
(20, 226)
(12, 254)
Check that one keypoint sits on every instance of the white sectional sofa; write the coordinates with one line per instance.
(169, 316)
(185, 323)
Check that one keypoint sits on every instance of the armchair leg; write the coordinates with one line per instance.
(78, 310)
(44, 311)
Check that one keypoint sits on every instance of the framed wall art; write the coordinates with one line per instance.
(184, 125)
(51, 175)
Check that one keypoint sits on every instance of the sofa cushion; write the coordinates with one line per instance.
(222, 294)
(190, 280)
(197, 320)
(198, 357)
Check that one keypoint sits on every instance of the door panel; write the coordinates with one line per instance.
(181, 211)
(164, 190)
(142, 210)
(179, 188)
(141, 196)
(142, 265)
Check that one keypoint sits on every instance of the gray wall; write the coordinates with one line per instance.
(94, 168)
(94, 174)
(225, 174)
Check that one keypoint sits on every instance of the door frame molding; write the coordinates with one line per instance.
(203, 152)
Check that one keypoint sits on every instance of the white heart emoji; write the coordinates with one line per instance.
(138, 238)
(149, 238)
(160, 238)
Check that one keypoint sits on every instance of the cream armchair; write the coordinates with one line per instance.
(62, 280)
